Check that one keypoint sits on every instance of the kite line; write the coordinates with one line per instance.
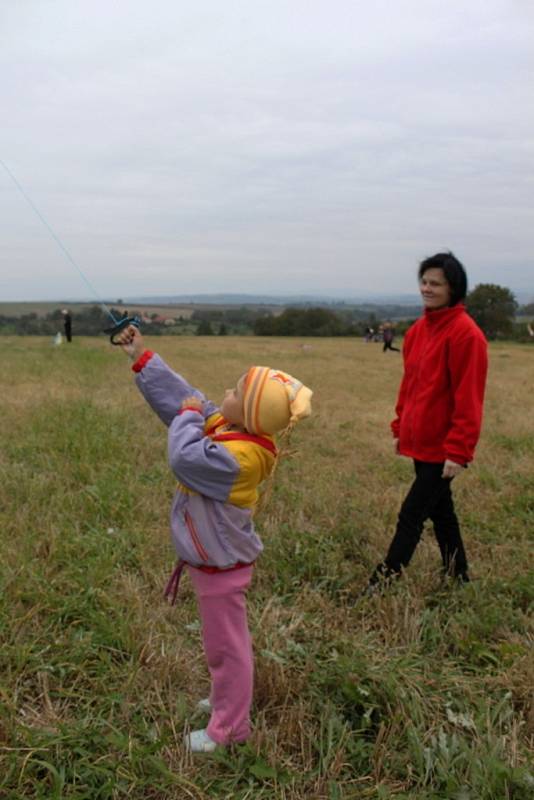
(118, 324)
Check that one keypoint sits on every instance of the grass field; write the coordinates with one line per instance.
(426, 692)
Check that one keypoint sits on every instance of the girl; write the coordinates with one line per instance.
(220, 456)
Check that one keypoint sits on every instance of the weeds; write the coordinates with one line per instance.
(423, 693)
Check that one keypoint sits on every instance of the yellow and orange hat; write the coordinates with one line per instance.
(273, 399)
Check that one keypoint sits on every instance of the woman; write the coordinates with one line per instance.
(439, 414)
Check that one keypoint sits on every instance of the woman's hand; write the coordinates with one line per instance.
(132, 342)
(396, 447)
(451, 469)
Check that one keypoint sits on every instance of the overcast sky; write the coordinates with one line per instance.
(274, 146)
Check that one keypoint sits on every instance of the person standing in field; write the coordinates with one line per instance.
(67, 324)
(220, 457)
(388, 334)
(438, 416)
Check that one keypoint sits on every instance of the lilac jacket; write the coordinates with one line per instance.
(218, 469)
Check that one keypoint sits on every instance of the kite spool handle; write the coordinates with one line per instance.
(120, 326)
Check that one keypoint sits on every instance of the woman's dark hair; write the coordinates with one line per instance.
(454, 274)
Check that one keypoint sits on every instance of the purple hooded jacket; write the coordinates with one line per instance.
(218, 468)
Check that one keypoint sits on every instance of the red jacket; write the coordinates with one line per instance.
(439, 407)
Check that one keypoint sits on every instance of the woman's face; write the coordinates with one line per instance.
(435, 289)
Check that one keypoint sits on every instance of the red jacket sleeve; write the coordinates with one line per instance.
(468, 365)
(401, 397)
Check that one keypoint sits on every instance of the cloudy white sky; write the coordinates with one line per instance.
(275, 146)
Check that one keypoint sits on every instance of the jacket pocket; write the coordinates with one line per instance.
(195, 538)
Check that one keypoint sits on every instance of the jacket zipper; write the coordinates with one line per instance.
(195, 537)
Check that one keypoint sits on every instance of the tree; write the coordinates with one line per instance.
(265, 326)
(204, 328)
(493, 308)
(304, 322)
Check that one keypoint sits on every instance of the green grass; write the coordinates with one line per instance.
(423, 693)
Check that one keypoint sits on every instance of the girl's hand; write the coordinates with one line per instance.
(192, 402)
(396, 447)
(132, 342)
(451, 469)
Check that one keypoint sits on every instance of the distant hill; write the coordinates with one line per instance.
(276, 300)
(187, 306)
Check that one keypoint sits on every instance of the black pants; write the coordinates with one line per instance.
(389, 346)
(430, 497)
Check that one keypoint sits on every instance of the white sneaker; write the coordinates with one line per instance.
(204, 705)
(199, 742)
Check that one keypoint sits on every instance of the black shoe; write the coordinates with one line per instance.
(462, 577)
(379, 582)
(455, 580)
(371, 590)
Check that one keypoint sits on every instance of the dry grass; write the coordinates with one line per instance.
(423, 693)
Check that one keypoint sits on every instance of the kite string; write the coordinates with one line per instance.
(58, 241)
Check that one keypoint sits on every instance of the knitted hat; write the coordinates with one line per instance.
(272, 399)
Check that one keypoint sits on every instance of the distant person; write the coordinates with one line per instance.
(67, 324)
(388, 335)
(220, 457)
(439, 415)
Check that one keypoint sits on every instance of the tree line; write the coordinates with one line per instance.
(493, 307)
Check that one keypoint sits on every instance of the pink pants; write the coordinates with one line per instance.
(228, 648)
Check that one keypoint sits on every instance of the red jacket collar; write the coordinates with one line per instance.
(442, 316)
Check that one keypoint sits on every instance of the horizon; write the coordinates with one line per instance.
(255, 298)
